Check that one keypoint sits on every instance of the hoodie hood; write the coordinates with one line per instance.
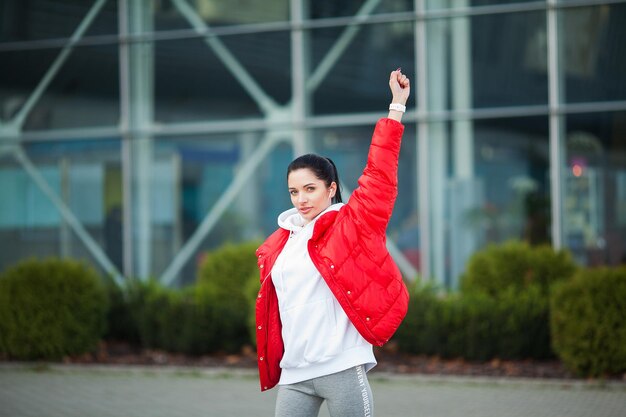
(292, 220)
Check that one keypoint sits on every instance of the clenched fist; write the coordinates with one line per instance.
(400, 86)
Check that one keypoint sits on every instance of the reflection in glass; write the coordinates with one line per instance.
(42, 19)
(354, 82)
(594, 182)
(593, 53)
(488, 61)
(83, 93)
(455, 4)
(320, 9)
(489, 184)
(173, 14)
(86, 176)
(212, 89)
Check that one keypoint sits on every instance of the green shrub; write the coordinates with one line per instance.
(50, 308)
(476, 326)
(588, 319)
(516, 265)
(189, 320)
(251, 291)
(421, 331)
(223, 277)
(121, 324)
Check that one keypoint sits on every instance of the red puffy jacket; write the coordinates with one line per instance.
(348, 248)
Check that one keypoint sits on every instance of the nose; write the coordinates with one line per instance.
(302, 198)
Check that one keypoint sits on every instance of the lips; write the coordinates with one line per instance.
(305, 210)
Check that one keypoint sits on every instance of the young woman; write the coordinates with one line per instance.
(329, 288)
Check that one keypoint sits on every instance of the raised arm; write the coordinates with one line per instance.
(373, 200)
(400, 89)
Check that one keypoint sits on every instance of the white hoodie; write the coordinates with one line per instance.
(318, 336)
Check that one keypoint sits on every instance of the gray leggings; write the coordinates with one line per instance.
(347, 394)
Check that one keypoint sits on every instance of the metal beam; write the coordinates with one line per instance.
(68, 216)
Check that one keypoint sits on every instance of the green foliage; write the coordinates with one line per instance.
(211, 316)
(50, 308)
(588, 319)
(170, 319)
(223, 276)
(251, 291)
(476, 326)
(421, 331)
(517, 266)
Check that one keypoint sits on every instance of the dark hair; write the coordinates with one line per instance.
(323, 168)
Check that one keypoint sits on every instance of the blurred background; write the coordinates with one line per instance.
(137, 135)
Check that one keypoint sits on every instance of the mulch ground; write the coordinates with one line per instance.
(389, 360)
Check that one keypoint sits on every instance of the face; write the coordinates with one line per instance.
(309, 194)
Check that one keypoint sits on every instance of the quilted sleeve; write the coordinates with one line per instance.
(373, 200)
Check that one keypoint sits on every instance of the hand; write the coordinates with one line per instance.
(400, 87)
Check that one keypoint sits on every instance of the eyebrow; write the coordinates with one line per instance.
(305, 185)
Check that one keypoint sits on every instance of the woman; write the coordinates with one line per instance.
(329, 289)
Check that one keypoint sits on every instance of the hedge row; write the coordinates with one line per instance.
(53, 308)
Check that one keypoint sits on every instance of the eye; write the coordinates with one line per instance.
(293, 192)
(310, 189)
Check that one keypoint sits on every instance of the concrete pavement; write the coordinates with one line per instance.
(101, 391)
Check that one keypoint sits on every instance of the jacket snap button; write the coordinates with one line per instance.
(261, 358)
(260, 327)
(261, 266)
(259, 296)
(367, 318)
(349, 293)
(264, 387)
(332, 266)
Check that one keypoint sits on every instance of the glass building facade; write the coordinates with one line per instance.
(137, 135)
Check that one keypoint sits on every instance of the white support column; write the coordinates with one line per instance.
(464, 190)
(137, 97)
(556, 125)
(423, 140)
(437, 65)
(299, 69)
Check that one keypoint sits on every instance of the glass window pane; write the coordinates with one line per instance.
(594, 182)
(84, 92)
(42, 19)
(188, 177)
(168, 15)
(487, 61)
(454, 4)
(193, 83)
(356, 81)
(320, 9)
(489, 183)
(593, 53)
(86, 176)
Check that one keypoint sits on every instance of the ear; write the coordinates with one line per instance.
(332, 189)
